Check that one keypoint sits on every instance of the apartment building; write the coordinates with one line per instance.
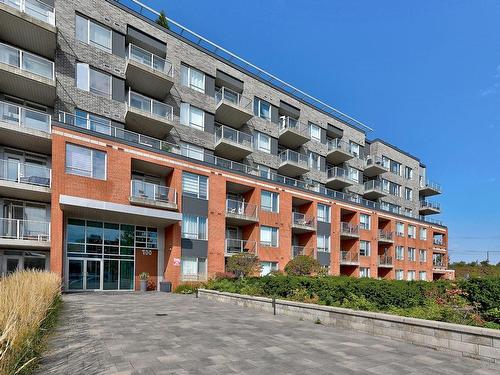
(127, 148)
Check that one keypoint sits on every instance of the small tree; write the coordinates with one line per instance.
(303, 265)
(243, 264)
(162, 20)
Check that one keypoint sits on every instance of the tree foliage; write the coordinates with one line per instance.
(303, 265)
(243, 264)
(162, 20)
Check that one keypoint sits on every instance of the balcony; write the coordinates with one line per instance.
(338, 151)
(385, 261)
(24, 234)
(26, 75)
(236, 246)
(152, 195)
(149, 116)
(292, 163)
(429, 208)
(348, 230)
(19, 125)
(374, 190)
(429, 188)
(148, 73)
(385, 236)
(349, 258)
(292, 133)
(374, 167)
(232, 108)
(304, 251)
(29, 24)
(24, 181)
(338, 178)
(241, 213)
(438, 241)
(438, 265)
(302, 223)
(233, 144)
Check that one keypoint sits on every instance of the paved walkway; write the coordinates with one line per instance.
(160, 333)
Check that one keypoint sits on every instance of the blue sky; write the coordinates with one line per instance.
(424, 75)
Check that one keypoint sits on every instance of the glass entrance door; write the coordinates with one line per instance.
(84, 274)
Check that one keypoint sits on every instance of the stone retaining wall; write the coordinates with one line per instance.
(472, 342)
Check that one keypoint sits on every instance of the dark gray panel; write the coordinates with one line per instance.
(324, 229)
(194, 248)
(324, 258)
(118, 89)
(118, 44)
(334, 132)
(274, 146)
(118, 125)
(223, 79)
(323, 136)
(209, 123)
(194, 206)
(274, 114)
(209, 86)
(147, 42)
(322, 163)
(288, 110)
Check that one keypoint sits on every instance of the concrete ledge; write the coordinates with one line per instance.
(467, 341)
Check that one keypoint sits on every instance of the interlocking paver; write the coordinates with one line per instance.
(121, 333)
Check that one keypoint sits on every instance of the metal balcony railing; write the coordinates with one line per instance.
(287, 122)
(25, 173)
(237, 208)
(427, 204)
(233, 135)
(236, 246)
(438, 241)
(349, 257)
(294, 157)
(430, 184)
(155, 192)
(375, 160)
(385, 260)
(349, 229)
(375, 185)
(150, 106)
(37, 9)
(26, 61)
(17, 229)
(337, 172)
(385, 235)
(302, 220)
(232, 97)
(24, 117)
(337, 144)
(150, 60)
(304, 250)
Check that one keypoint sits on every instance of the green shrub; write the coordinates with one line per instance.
(302, 265)
(188, 288)
(243, 264)
(482, 292)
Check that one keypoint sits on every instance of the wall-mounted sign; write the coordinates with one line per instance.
(177, 261)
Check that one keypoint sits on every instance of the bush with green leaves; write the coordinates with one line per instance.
(188, 288)
(303, 265)
(243, 264)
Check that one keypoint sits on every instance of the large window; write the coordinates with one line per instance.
(410, 276)
(314, 161)
(422, 275)
(263, 142)
(408, 173)
(269, 236)
(354, 173)
(323, 213)
(92, 33)
(194, 227)
(268, 267)
(364, 272)
(411, 254)
(92, 80)
(399, 274)
(323, 243)
(422, 256)
(354, 148)
(315, 132)
(192, 151)
(365, 221)
(262, 109)
(192, 78)
(269, 201)
(193, 267)
(92, 122)
(395, 167)
(400, 229)
(194, 185)
(85, 161)
(400, 253)
(192, 116)
(408, 194)
(364, 248)
(412, 231)
(423, 234)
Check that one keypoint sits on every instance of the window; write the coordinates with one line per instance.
(194, 227)
(263, 142)
(269, 201)
(267, 267)
(423, 234)
(365, 221)
(422, 275)
(92, 80)
(385, 185)
(408, 212)
(86, 162)
(364, 248)
(353, 174)
(323, 213)
(264, 171)
(194, 185)
(395, 189)
(314, 161)
(192, 78)
(408, 194)
(323, 243)
(400, 253)
(410, 275)
(192, 151)
(92, 33)
(269, 236)
(395, 167)
(144, 237)
(92, 122)
(422, 256)
(412, 231)
(400, 229)
(193, 266)
(315, 132)
(399, 274)
(364, 272)
(354, 148)
(192, 116)
(408, 173)
(262, 109)
(386, 162)
(411, 254)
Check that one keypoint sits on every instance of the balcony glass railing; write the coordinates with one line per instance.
(375, 185)
(337, 144)
(426, 204)
(24, 173)
(375, 161)
(290, 156)
(235, 246)
(24, 117)
(150, 60)
(150, 106)
(16, 229)
(37, 9)
(242, 209)
(337, 172)
(26, 61)
(429, 184)
(160, 145)
(349, 229)
(233, 135)
(148, 190)
(290, 123)
(232, 97)
(304, 250)
(349, 257)
(302, 220)
(438, 241)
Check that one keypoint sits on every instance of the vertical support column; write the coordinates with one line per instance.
(161, 256)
